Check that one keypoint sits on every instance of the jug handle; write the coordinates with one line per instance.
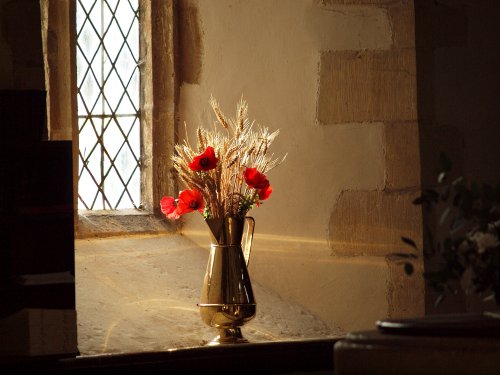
(248, 238)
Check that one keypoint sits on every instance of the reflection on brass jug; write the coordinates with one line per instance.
(227, 300)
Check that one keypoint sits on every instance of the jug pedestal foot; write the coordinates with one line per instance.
(228, 336)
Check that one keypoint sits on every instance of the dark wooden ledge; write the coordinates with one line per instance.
(313, 356)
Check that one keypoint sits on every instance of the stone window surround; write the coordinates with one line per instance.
(159, 93)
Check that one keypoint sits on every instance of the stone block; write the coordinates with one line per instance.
(402, 16)
(373, 222)
(347, 27)
(402, 156)
(405, 293)
(367, 86)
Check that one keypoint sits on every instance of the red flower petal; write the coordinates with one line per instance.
(174, 215)
(205, 161)
(255, 179)
(167, 205)
(190, 200)
(169, 208)
(265, 193)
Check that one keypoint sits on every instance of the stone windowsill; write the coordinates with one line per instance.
(107, 223)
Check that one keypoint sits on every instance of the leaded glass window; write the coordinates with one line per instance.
(107, 59)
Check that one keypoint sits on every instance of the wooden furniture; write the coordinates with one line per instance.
(285, 357)
(447, 344)
(37, 283)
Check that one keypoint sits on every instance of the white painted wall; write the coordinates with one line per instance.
(269, 52)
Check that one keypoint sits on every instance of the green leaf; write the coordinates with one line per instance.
(418, 200)
(445, 162)
(497, 296)
(439, 299)
(444, 215)
(457, 199)
(457, 224)
(459, 183)
(409, 241)
(445, 194)
(408, 268)
(432, 195)
(441, 177)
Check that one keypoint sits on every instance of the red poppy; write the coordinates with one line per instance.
(265, 193)
(204, 162)
(169, 208)
(190, 200)
(255, 179)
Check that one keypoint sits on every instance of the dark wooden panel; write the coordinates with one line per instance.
(36, 209)
(285, 357)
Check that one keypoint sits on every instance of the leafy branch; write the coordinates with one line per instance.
(461, 236)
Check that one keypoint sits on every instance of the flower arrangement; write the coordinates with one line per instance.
(225, 174)
(463, 247)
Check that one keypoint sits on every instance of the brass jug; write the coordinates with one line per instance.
(227, 300)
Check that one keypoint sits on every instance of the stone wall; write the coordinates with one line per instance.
(338, 78)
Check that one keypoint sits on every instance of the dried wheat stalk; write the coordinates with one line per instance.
(237, 146)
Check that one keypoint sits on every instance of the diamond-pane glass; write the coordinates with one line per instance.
(107, 60)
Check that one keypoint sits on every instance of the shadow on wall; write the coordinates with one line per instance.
(457, 89)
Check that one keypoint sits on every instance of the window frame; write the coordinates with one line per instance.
(108, 104)
(159, 93)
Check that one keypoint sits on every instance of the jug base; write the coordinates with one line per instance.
(228, 336)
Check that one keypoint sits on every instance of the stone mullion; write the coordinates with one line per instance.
(158, 82)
